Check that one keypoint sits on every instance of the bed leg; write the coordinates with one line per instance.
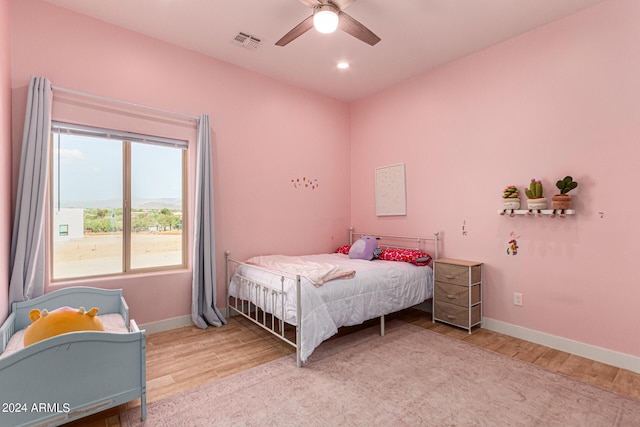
(143, 368)
(298, 344)
(382, 325)
(143, 407)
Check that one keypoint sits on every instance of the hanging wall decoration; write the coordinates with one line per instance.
(391, 196)
(304, 183)
(512, 249)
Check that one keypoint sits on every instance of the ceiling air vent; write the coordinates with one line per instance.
(246, 40)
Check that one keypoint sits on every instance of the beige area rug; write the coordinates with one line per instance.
(409, 377)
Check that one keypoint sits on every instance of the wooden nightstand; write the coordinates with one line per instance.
(457, 292)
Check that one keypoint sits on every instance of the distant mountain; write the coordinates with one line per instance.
(157, 203)
(169, 203)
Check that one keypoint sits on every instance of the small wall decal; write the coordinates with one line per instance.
(601, 214)
(305, 182)
(512, 249)
(464, 231)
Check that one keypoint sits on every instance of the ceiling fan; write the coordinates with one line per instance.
(327, 16)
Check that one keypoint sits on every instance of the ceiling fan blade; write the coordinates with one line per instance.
(311, 3)
(357, 30)
(342, 4)
(296, 32)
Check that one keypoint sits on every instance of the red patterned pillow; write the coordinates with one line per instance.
(407, 255)
(343, 249)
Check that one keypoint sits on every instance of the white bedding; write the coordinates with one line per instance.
(378, 287)
(317, 273)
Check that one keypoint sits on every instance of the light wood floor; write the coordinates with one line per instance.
(180, 359)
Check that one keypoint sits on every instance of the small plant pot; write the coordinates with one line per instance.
(511, 203)
(537, 204)
(561, 201)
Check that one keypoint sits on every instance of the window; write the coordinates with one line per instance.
(118, 202)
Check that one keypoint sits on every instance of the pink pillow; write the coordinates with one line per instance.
(406, 255)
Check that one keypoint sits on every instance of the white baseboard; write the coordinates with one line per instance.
(610, 357)
(166, 324)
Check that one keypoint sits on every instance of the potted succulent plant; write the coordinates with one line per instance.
(535, 200)
(562, 201)
(510, 199)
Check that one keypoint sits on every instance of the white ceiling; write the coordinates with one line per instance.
(417, 35)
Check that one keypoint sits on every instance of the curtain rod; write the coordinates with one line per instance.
(130, 104)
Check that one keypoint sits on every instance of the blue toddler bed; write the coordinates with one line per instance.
(72, 375)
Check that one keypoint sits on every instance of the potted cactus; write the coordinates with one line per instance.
(534, 193)
(562, 201)
(510, 198)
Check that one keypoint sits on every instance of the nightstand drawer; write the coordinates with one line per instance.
(455, 294)
(456, 314)
(457, 274)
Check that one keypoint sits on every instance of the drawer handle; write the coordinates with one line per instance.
(451, 296)
(450, 276)
(450, 317)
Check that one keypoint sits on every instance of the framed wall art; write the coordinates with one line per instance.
(391, 195)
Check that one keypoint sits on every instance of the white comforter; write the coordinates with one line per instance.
(316, 272)
(378, 287)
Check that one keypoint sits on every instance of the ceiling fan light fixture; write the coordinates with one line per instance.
(325, 19)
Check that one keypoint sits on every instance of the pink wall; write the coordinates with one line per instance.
(5, 154)
(265, 133)
(561, 100)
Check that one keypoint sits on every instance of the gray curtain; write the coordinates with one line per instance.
(27, 260)
(203, 295)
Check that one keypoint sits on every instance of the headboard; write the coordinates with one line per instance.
(401, 242)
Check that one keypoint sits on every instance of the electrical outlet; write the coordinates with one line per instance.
(517, 299)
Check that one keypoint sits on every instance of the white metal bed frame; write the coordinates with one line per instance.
(270, 295)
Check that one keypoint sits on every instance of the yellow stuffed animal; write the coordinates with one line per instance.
(47, 324)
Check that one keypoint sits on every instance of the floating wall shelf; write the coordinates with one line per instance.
(546, 212)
